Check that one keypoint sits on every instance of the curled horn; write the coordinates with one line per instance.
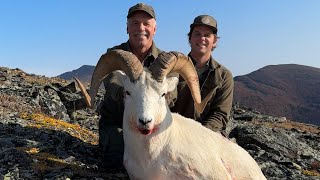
(111, 61)
(177, 62)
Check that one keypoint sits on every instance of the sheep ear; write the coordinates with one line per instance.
(172, 83)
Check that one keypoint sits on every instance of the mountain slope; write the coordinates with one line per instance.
(83, 73)
(288, 90)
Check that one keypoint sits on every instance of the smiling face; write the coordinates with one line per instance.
(141, 28)
(202, 40)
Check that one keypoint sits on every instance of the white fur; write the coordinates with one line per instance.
(178, 147)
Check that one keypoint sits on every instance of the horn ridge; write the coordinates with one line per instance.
(161, 66)
(177, 62)
(113, 60)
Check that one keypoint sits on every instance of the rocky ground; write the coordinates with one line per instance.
(46, 133)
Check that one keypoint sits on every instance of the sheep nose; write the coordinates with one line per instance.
(144, 121)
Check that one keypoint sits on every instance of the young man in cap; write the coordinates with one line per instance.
(214, 78)
(141, 28)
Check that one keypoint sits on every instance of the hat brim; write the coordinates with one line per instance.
(214, 29)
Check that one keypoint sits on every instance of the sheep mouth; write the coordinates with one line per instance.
(145, 131)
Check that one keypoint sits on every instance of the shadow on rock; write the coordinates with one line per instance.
(32, 153)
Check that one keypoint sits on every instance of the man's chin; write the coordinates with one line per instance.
(140, 44)
(201, 51)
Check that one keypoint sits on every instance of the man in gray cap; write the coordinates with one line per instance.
(141, 28)
(214, 78)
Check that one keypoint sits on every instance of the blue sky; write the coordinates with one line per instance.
(52, 37)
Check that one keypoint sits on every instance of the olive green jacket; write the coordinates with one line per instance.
(217, 80)
(112, 107)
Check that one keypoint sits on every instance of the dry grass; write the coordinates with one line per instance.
(289, 125)
(48, 163)
(310, 173)
(75, 130)
(36, 79)
(42, 80)
(45, 162)
(314, 169)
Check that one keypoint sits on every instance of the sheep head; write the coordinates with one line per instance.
(145, 88)
(145, 103)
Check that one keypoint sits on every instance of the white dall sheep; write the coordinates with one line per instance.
(164, 145)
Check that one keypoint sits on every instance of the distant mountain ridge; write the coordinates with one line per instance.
(83, 73)
(288, 90)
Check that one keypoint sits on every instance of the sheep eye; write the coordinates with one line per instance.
(127, 92)
(163, 94)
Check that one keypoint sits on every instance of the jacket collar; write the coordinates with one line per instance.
(215, 71)
(211, 63)
(153, 52)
